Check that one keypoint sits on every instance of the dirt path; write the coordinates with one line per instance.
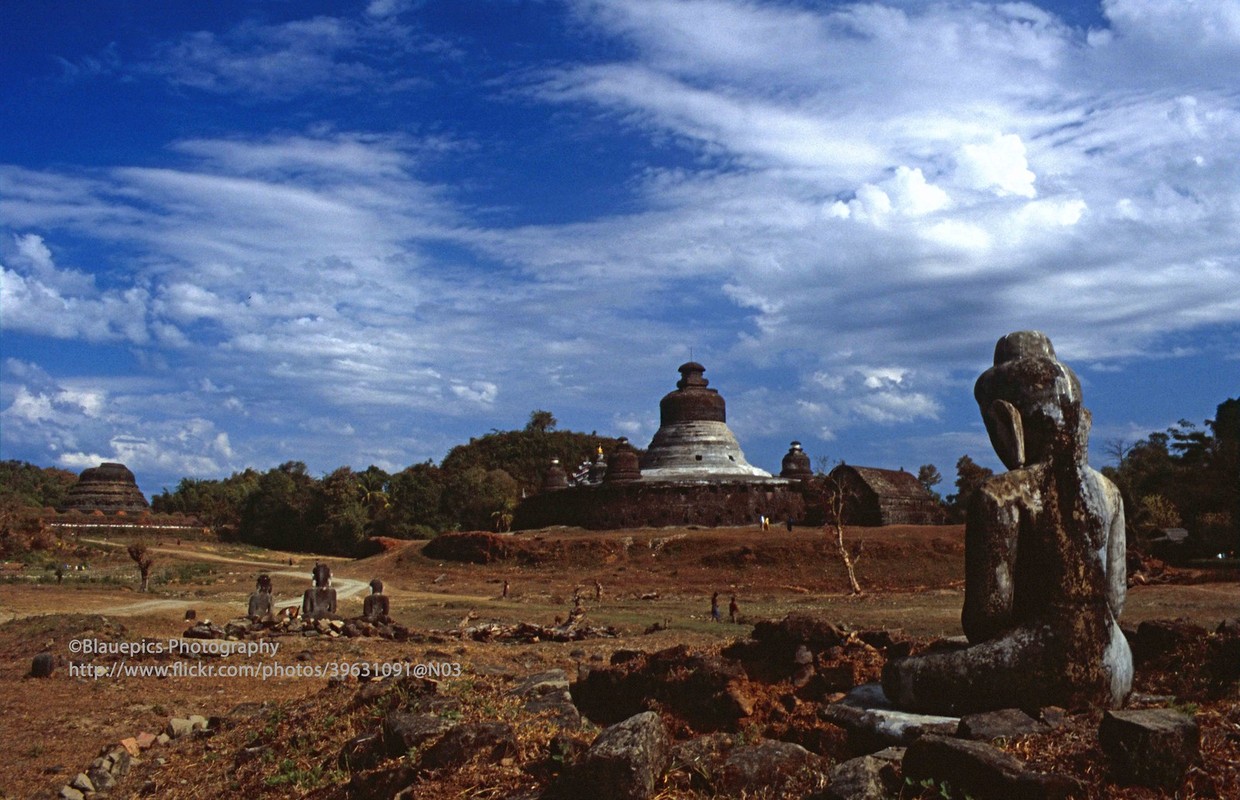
(345, 587)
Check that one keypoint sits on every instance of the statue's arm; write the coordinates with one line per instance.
(1117, 553)
(990, 538)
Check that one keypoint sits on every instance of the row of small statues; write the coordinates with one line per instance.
(319, 601)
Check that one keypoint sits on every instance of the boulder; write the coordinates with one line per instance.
(69, 793)
(492, 742)
(549, 692)
(101, 778)
(1002, 724)
(82, 783)
(362, 751)
(1151, 747)
(42, 665)
(404, 730)
(625, 762)
(982, 771)
(786, 769)
(871, 723)
(864, 778)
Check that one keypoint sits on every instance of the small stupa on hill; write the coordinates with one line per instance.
(109, 487)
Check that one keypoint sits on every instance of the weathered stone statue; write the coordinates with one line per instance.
(1045, 573)
(377, 607)
(321, 600)
(261, 606)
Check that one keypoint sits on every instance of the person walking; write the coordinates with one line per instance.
(714, 608)
(734, 611)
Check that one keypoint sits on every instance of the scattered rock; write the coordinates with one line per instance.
(102, 779)
(871, 723)
(82, 783)
(1151, 747)
(1158, 637)
(69, 793)
(864, 778)
(362, 752)
(705, 691)
(981, 770)
(403, 730)
(625, 762)
(548, 692)
(134, 745)
(178, 727)
(1002, 724)
(42, 665)
(197, 722)
(492, 742)
(788, 770)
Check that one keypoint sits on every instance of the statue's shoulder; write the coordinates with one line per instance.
(1107, 487)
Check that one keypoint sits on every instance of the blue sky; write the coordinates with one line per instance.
(239, 233)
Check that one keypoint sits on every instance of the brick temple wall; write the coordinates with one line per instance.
(651, 504)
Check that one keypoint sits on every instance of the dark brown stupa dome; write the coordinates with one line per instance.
(692, 400)
(555, 478)
(796, 464)
(109, 487)
(622, 464)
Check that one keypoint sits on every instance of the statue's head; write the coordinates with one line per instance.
(1031, 403)
(376, 586)
(264, 583)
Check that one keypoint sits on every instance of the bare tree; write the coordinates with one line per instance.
(141, 556)
(1117, 449)
(836, 499)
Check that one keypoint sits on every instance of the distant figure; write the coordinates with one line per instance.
(60, 575)
(377, 607)
(789, 524)
(734, 611)
(505, 593)
(765, 522)
(261, 606)
(714, 608)
(598, 591)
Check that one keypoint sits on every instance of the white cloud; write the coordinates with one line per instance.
(997, 165)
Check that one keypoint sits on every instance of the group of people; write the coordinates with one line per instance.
(764, 521)
(734, 610)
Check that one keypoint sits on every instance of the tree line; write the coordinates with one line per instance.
(1187, 476)
(476, 487)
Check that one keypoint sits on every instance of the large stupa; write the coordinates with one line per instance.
(693, 473)
(693, 440)
(109, 487)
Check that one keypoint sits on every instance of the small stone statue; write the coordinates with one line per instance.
(377, 606)
(261, 606)
(321, 600)
(1045, 573)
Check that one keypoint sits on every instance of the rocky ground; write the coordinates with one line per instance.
(646, 698)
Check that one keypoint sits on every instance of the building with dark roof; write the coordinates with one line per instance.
(885, 497)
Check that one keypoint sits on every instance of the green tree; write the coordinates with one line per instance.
(969, 478)
(34, 487)
(416, 494)
(278, 513)
(540, 422)
(471, 495)
(928, 476)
